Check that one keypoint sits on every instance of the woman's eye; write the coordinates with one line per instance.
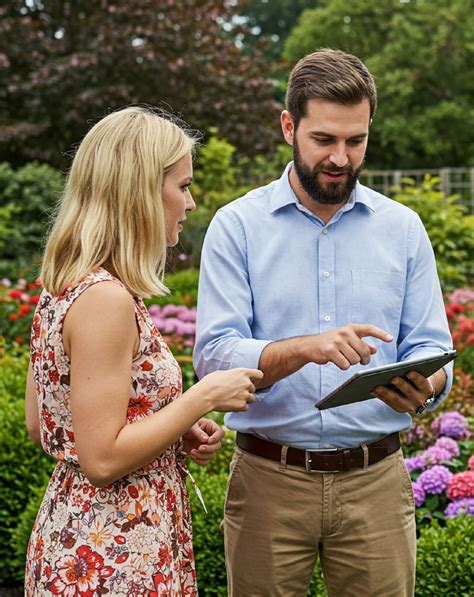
(185, 187)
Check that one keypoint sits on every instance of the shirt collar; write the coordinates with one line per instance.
(283, 194)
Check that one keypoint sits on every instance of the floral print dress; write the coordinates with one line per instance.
(134, 536)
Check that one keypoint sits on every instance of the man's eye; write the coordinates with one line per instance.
(354, 142)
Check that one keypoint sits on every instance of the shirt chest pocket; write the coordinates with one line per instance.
(377, 298)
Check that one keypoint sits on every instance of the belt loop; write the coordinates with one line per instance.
(365, 449)
(284, 450)
(346, 460)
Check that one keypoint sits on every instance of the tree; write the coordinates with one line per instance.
(272, 19)
(420, 53)
(63, 64)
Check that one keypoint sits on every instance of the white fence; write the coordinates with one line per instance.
(453, 181)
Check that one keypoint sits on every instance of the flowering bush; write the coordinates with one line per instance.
(442, 488)
(17, 304)
(460, 312)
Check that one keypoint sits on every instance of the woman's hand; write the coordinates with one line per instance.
(202, 441)
(230, 390)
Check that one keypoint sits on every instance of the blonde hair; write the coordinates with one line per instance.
(111, 211)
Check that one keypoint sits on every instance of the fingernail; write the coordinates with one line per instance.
(388, 337)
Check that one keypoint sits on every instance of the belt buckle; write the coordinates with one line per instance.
(308, 460)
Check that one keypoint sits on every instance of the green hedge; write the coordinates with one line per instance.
(27, 198)
(445, 559)
(24, 467)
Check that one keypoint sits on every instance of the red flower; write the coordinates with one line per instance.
(19, 340)
(133, 492)
(53, 375)
(34, 299)
(146, 366)
(80, 574)
(24, 310)
(170, 500)
(139, 406)
(12, 316)
(15, 294)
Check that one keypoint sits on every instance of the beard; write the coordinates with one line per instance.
(331, 193)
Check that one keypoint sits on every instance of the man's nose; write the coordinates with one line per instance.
(338, 156)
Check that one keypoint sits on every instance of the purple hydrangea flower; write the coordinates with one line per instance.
(435, 455)
(435, 479)
(449, 444)
(6, 282)
(418, 494)
(458, 507)
(451, 424)
(415, 463)
(415, 433)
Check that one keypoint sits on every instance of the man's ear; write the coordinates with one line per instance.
(287, 126)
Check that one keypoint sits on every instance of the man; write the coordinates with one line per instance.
(309, 279)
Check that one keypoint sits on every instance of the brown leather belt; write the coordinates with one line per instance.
(321, 461)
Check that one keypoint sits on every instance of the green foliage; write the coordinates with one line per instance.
(208, 539)
(27, 197)
(449, 228)
(272, 20)
(23, 466)
(183, 286)
(445, 562)
(21, 533)
(417, 52)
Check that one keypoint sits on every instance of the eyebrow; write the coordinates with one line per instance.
(329, 136)
(187, 180)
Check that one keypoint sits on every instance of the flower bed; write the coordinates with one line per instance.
(443, 474)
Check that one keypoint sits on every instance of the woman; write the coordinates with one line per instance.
(104, 392)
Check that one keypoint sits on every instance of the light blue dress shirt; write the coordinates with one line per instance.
(271, 270)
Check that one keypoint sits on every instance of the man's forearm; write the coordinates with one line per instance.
(281, 358)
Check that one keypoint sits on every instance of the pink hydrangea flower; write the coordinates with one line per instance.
(461, 485)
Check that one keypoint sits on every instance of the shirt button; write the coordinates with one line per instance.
(326, 274)
(327, 318)
(325, 230)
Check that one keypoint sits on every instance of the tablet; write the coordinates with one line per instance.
(358, 387)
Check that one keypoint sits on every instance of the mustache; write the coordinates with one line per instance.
(332, 170)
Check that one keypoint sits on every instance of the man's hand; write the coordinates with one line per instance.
(202, 441)
(344, 346)
(410, 394)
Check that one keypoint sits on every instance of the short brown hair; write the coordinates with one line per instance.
(331, 75)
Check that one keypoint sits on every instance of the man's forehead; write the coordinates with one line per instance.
(323, 115)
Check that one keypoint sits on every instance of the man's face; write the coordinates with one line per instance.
(328, 148)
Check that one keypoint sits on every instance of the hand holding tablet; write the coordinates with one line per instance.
(358, 387)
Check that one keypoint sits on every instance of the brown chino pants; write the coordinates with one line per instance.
(361, 523)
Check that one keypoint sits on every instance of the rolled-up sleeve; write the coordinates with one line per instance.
(224, 322)
(424, 329)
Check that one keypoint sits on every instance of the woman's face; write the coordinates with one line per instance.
(177, 199)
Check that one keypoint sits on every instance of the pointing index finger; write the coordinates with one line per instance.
(366, 329)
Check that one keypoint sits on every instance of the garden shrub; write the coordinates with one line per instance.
(183, 286)
(445, 561)
(208, 539)
(23, 466)
(449, 228)
(21, 533)
(27, 198)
